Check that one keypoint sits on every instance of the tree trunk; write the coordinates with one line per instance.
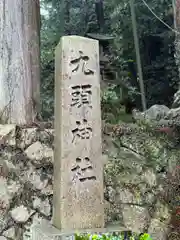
(176, 8)
(19, 61)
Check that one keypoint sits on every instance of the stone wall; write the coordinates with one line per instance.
(136, 186)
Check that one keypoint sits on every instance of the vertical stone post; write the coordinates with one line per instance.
(78, 164)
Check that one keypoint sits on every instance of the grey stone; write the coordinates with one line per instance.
(27, 137)
(125, 196)
(162, 212)
(176, 103)
(47, 231)
(39, 181)
(173, 113)
(43, 206)
(158, 230)
(111, 193)
(149, 198)
(156, 112)
(135, 218)
(28, 233)
(8, 134)
(21, 214)
(38, 152)
(7, 192)
(159, 225)
(78, 162)
(10, 233)
(149, 177)
(46, 136)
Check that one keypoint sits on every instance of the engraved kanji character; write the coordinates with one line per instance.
(82, 131)
(81, 95)
(80, 64)
(83, 170)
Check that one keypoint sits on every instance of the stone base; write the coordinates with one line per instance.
(46, 231)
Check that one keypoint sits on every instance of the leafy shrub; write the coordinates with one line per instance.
(108, 236)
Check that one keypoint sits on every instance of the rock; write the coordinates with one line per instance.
(156, 112)
(159, 225)
(43, 206)
(176, 103)
(10, 233)
(129, 178)
(149, 177)
(108, 147)
(39, 152)
(136, 159)
(174, 235)
(125, 157)
(36, 219)
(135, 218)
(27, 137)
(125, 196)
(149, 198)
(7, 192)
(173, 113)
(38, 179)
(158, 230)
(13, 187)
(21, 214)
(4, 170)
(132, 184)
(111, 194)
(3, 238)
(9, 166)
(162, 212)
(8, 134)
(46, 136)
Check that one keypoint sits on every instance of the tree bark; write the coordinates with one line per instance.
(19, 61)
(176, 8)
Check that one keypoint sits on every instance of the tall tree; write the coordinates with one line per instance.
(176, 8)
(19, 61)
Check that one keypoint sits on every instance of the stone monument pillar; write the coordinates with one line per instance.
(78, 165)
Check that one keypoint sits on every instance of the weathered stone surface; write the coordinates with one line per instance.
(173, 113)
(46, 136)
(125, 196)
(133, 177)
(38, 179)
(21, 214)
(149, 177)
(78, 166)
(27, 137)
(158, 230)
(7, 134)
(176, 103)
(47, 231)
(38, 152)
(135, 218)
(156, 112)
(3, 238)
(43, 206)
(10, 233)
(7, 192)
(28, 233)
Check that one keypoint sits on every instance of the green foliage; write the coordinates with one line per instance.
(156, 45)
(120, 236)
(111, 105)
(145, 236)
